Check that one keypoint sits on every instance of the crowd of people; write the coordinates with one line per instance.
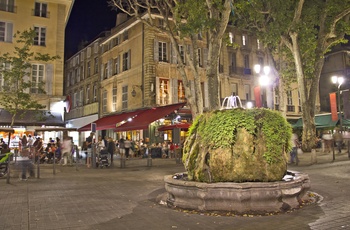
(126, 148)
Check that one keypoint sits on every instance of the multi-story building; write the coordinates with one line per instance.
(138, 71)
(48, 18)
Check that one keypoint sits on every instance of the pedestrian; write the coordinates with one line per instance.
(89, 141)
(111, 148)
(327, 141)
(26, 164)
(295, 145)
(338, 139)
(67, 150)
(122, 147)
(127, 146)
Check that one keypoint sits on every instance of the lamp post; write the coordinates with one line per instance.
(264, 81)
(339, 81)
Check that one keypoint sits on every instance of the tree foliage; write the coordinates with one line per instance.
(301, 32)
(15, 69)
(184, 20)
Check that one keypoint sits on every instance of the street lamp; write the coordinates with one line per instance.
(339, 81)
(264, 79)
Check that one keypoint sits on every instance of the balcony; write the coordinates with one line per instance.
(41, 13)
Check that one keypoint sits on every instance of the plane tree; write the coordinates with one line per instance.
(185, 22)
(301, 32)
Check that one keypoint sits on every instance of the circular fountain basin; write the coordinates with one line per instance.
(238, 197)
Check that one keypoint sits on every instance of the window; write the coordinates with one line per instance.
(181, 92)
(87, 95)
(244, 40)
(7, 5)
(126, 35)
(37, 78)
(199, 52)
(164, 91)
(126, 60)
(231, 37)
(125, 97)
(105, 73)
(81, 97)
(247, 92)
(88, 71)
(116, 66)
(289, 97)
(104, 101)
(182, 53)
(96, 65)
(95, 92)
(40, 37)
(246, 61)
(233, 66)
(40, 9)
(76, 73)
(116, 41)
(234, 89)
(6, 32)
(114, 99)
(162, 53)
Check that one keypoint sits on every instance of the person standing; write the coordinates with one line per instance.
(295, 144)
(127, 146)
(122, 147)
(66, 150)
(89, 149)
(338, 139)
(111, 148)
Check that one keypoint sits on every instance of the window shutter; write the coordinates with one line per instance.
(102, 71)
(110, 68)
(157, 91)
(205, 57)
(156, 54)
(9, 34)
(129, 59)
(49, 77)
(173, 54)
(174, 92)
(206, 96)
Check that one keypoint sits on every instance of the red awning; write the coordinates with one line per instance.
(183, 126)
(146, 117)
(109, 122)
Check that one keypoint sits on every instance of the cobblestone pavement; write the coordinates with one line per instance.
(125, 198)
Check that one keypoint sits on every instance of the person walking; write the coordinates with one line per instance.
(127, 146)
(338, 139)
(67, 150)
(89, 140)
(111, 148)
(295, 145)
(122, 147)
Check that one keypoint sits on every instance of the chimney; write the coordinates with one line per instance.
(121, 17)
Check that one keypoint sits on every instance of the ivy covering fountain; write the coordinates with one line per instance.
(236, 160)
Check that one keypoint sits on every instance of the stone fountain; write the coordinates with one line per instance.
(236, 160)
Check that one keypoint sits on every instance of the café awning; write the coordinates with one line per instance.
(109, 122)
(146, 117)
(32, 118)
(183, 126)
(321, 121)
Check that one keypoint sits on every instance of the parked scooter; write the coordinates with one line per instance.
(4, 160)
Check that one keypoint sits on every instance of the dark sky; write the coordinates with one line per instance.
(87, 20)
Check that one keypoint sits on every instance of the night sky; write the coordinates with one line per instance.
(87, 20)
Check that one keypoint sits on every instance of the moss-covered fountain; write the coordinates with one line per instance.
(236, 160)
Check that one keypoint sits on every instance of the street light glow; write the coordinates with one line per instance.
(338, 80)
(264, 80)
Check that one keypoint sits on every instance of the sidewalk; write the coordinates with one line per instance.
(307, 158)
(126, 198)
